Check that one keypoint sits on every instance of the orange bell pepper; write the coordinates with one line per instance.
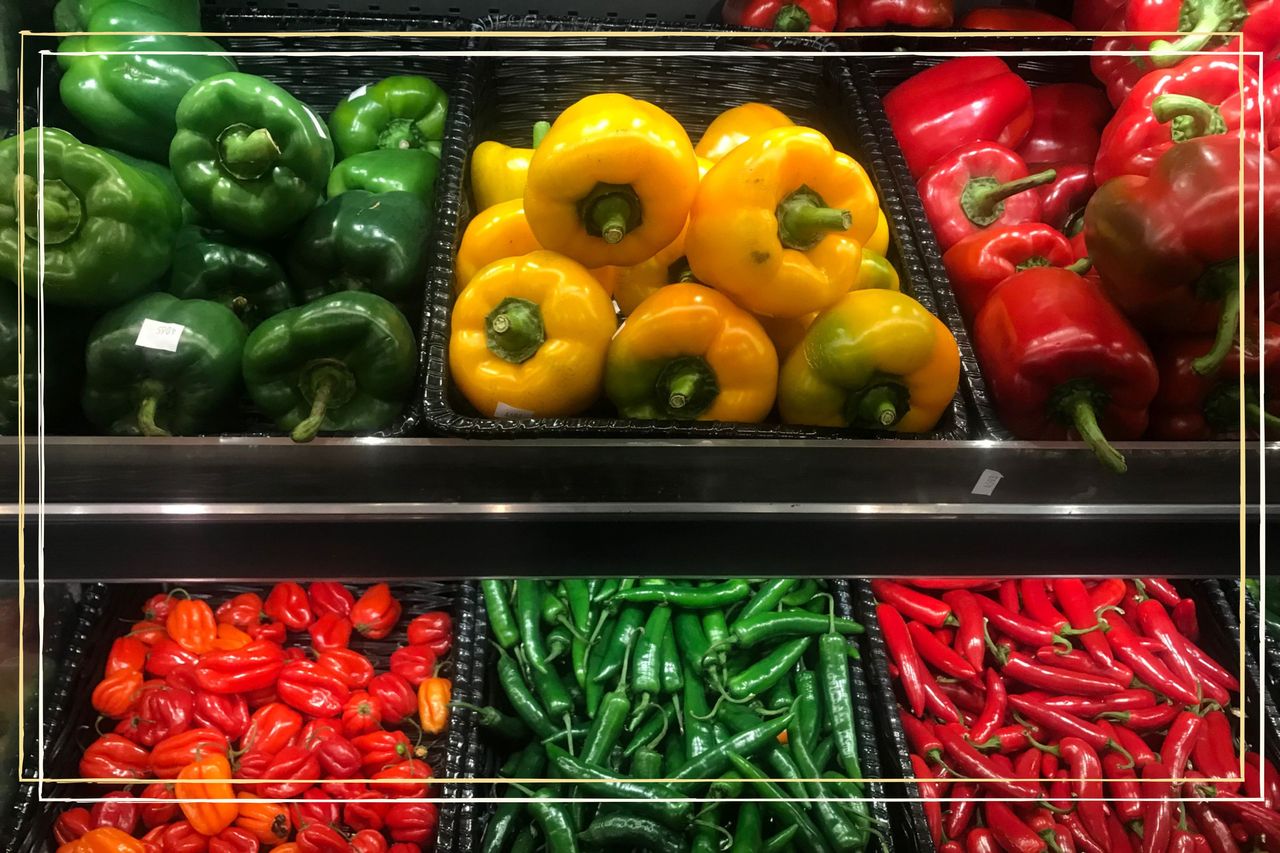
(201, 781)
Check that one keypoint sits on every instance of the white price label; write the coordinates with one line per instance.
(987, 482)
(502, 410)
(157, 335)
(358, 93)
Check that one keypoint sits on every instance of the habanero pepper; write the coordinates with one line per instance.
(412, 822)
(114, 757)
(330, 631)
(395, 695)
(433, 704)
(979, 262)
(118, 809)
(355, 669)
(269, 822)
(413, 663)
(382, 748)
(202, 780)
(288, 603)
(191, 625)
(1059, 357)
(242, 610)
(71, 825)
(127, 653)
(292, 770)
(243, 670)
(271, 728)
(368, 841)
(321, 838)
(329, 597)
(936, 14)
(312, 689)
(376, 612)
(788, 16)
(116, 695)
(316, 807)
(362, 714)
(434, 630)
(172, 754)
(162, 710)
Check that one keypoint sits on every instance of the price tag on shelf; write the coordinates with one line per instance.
(987, 482)
(502, 410)
(157, 335)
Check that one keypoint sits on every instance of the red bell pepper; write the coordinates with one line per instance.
(978, 263)
(242, 611)
(395, 696)
(312, 689)
(288, 603)
(1167, 246)
(292, 770)
(787, 16)
(115, 757)
(1204, 96)
(978, 186)
(354, 668)
(958, 102)
(382, 748)
(412, 822)
(375, 613)
(1058, 356)
(329, 632)
(174, 753)
(330, 597)
(1094, 15)
(1008, 19)
(243, 670)
(362, 714)
(271, 728)
(1197, 20)
(119, 809)
(1067, 121)
(227, 714)
(922, 14)
(414, 664)
(1192, 407)
(433, 630)
(1065, 199)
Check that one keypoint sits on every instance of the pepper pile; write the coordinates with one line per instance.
(202, 695)
(1040, 690)
(1007, 176)
(215, 261)
(620, 683)
(796, 16)
(776, 251)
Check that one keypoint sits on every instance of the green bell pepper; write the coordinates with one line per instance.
(362, 241)
(64, 341)
(398, 112)
(248, 155)
(343, 363)
(135, 385)
(180, 15)
(386, 171)
(216, 266)
(128, 100)
(162, 174)
(108, 228)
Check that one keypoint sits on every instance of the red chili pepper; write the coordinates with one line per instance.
(1144, 664)
(312, 689)
(1182, 841)
(1107, 593)
(1266, 821)
(981, 840)
(1013, 835)
(354, 668)
(1035, 593)
(1075, 601)
(365, 815)
(376, 612)
(1120, 839)
(1268, 781)
(412, 822)
(1157, 811)
(1007, 19)
(1080, 661)
(71, 825)
(939, 655)
(978, 186)
(1184, 612)
(1023, 668)
(1060, 723)
(166, 656)
(1085, 769)
(339, 758)
(1084, 841)
(1209, 669)
(1007, 740)
(921, 738)
(1121, 700)
(330, 632)
(928, 797)
(1123, 786)
(1144, 719)
(1027, 764)
(962, 694)
(1216, 830)
(380, 749)
(1008, 595)
(1019, 628)
(945, 584)
(1159, 589)
(970, 624)
(787, 16)
(959, 815)
(119, 809)
(955, 103)
(968, 762)
(174, 753)
(396, 697)
(287, 603)
(287, 767)
(1179, 742)
(993, 711)
(1059, 793)
(318, 808)
(433, 630)
(1066, 125)
(253, 667)
(1155, 622)
(913, 604)
(234, 839)
(414, 663)
(330, 597)
(227, 714)
(368, 841)
(911, 670)
(978, 263)
(271, 728)
(318, 838)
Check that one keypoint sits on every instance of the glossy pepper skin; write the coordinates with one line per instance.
(1063, 201)
(874, 360)
(612, 181)
(779, 223)
(1193, 407)
(411, 170)
(735, 126)
(1060, 360)
(248, 155)
(1167, 246)
(687, 352)
(1203, 96)
(207, 779)
(936, 14)
(242, 670)
(127, 99)
(502, 231)
(376, 612)
(433, 704)
(362, 241)
(312, 689)
(1066, 125)
(958, 102)
(108, 227)
(530, 334)
(978, 186)
(398, 113)
(788, 16)
(978, 263)
(345, 362)
(1011, 20)
(217, 266)
(1197, 19)
(140, 390)
(499, 172)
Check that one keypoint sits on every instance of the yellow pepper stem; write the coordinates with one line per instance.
(610, 211)
(151, 392)
(804, 219)
(247, 153)
(327, 384)
(877, 406)
(62, 210)
(686, 387)
(1077, 403)
(514, 330)
(982, 200)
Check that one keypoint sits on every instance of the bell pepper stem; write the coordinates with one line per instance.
(307, 429)
(686, 387)
(1080, 267)
(147, 417)
(514, 330)
(239, 305)
(791, 18)
(804, 219)
(1079, 406)
(1225, 337)
(878, 406)
(1191, 117)
(540, 129)
(982, 200)
(399, 134)
(63, 211)
(247, 153)
(611, 215)
(1214, 17)
(1255, 412)
(328, 384)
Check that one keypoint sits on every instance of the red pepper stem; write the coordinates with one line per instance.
(1199, 118)
(791, 18)
(1079, 406)
(540, 129)
(1225, 337)
(1256, 412)
(983, 197)
(1080, 267)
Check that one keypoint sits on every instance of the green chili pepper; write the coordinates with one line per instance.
(620, 643)
(526, 842)
(578, 593)
(646, 764)
(630, 832)
(552, 693)
(779, 842)
(715, 761)
(503, 825)
(855, 803)
(595, 659)
(800, 595)
(663, 802)
(522, 701)
(501, 620)
(579, 649)
(646, 661)
(653, 729)
(727, 787)
(833, 670)
(558, 642)
(497, 722)
(747, 832)
(706, 833)
(770, 627)
(769, 670)
(742, 719)
(698, 736)
(529, 615)
(606, 727)
(672, 671)
(840, 832)
(690, 639)
(809, 838)
(767, 598)
(553, 820)
(688, 598)
(605, 591)
(808, 710)
(673, 754)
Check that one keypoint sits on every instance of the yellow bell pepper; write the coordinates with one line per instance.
(529, 337)
(612, 182)
(874, 360)
(687, 352)
(878, 242)
(735, 126)
(499, 172)
(780, 222)
(502, 231)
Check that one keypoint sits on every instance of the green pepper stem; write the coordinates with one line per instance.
(307, 429)
(878, 406)
(147, 417)
(1212, 20)
(247, 153)
(514, 330)
(1198, 117)
(399, 134)
(540, 129)
(1256, 412)
(239, 304)
(791, 19)
(1080, 407)
(686, 387)
(611, 215)
(63, 211)
(1081, 266)
(982, 200)
(1225, 337)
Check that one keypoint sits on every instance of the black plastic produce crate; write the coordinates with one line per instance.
(874, 77)
(474, 817)
(107, 614)
(1219, 637)
(1261, 678)
(501, 97)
